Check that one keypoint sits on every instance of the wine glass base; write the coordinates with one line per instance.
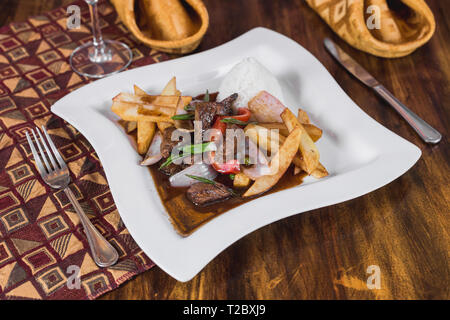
(87, 61)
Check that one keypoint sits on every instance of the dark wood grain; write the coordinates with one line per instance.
(323, 254)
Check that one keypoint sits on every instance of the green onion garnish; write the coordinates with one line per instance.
(201, 179)
(186, 116)
(206, 97)
(236, 121)
(188, 150)
(232, 175)
(197, 148)
(168, 161)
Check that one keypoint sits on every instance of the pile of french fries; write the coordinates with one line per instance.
(294, 144)
(146, 112)
(294, 138)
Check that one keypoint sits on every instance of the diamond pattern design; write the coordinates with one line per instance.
(40, 233)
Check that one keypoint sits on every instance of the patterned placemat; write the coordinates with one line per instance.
(42, 244)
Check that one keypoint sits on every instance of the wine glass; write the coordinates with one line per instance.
(99, 58)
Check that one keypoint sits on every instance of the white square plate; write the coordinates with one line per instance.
(360, 154)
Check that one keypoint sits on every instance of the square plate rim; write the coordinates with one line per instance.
(257, 35)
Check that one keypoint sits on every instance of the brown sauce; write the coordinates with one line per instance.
(187, 217)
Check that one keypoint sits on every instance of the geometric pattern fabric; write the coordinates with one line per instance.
(41, 238)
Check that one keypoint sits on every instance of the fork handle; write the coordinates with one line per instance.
(423, 129)
(102, 251)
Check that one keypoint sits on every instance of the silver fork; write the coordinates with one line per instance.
(57, 176)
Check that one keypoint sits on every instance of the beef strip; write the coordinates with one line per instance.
(205, 112)
(167, 144)
(170, 169)
(166, 149)
(203, 194)
(224, 107)
(173, 168)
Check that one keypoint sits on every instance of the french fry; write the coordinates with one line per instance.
(163, 111)
(122, 106)
(163, 125)
(241, 180)
(319, 172)
(145, 129)
(155, 110)
(278, 165)
(281, 127)
(269, 140)
(130, 126)
(138, 91)
(161, 101)
(302, 116)
(307, 148)
(145, 133)
(129, 112)
(299, 162)
(266, 139)
(169, 90)
(314, 132)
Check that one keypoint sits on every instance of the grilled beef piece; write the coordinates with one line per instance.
(224, 107)
(167, 144)
(171, 169)
(205, 112)
(203, 194)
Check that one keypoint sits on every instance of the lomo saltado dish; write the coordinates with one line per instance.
(215, 151)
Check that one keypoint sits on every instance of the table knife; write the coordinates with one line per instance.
(423, 129)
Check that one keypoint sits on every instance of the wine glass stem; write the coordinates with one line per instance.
(100, 53)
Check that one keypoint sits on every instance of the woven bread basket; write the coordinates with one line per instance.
(399, 33)
(126, 11)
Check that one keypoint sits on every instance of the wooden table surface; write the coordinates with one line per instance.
(324, 254)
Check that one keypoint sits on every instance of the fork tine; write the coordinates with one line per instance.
(50, 156)
(36, 157)
(43, 157)
(55, 151)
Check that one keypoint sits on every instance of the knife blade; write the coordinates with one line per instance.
(423, 129)
(351, 65)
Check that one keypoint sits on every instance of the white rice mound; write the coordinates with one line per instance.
(247, 79)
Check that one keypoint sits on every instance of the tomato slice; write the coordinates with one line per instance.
(231, 166)
(243, 115)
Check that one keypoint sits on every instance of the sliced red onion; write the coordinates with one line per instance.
(260, 165)
(266, 108)
(201, 169)
(154, 153)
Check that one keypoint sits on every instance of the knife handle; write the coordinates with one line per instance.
(423, 129)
